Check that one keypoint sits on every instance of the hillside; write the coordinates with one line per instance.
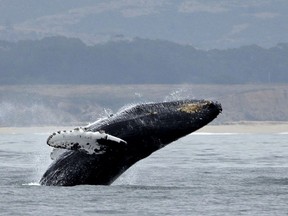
(205, 24)
(32, 105)
(60, 60)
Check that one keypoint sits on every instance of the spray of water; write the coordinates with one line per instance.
(178, 94)
(130, 177)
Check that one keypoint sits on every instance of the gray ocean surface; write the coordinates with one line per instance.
(201, 174)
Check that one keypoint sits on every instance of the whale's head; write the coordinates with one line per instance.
(161, 123)
(180, 118)
(171, 120)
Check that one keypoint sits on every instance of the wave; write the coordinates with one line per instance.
(42, 133)
(283, 133)
(31, 184)
(212, 134)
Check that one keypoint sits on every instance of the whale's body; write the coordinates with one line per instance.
(102, 151)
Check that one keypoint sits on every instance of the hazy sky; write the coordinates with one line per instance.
(205, 24)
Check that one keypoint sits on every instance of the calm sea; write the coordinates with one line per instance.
(201, 174)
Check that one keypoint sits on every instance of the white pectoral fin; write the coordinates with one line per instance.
(80, 140)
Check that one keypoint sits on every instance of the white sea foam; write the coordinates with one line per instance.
(211, 134)
(31, 184)
(283, 133)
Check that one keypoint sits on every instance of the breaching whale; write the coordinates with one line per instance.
(100, 152)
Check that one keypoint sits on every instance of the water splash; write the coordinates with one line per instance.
(41, 159)
(138, 95)
(178, 94)
(13, 113)
(130, 177)
(31, 184)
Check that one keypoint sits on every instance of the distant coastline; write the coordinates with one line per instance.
(237, 127)
(248, 127)
(42, 105)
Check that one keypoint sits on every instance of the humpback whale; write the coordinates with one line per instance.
(100, 152)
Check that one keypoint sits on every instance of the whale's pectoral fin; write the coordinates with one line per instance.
(80, 140)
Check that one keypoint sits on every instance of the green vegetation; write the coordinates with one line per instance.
(60, 60)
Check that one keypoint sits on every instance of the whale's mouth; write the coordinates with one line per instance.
(218, 106)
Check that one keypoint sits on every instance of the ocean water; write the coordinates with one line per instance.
(201, 174)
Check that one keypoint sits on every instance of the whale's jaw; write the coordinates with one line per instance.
(142, 129)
